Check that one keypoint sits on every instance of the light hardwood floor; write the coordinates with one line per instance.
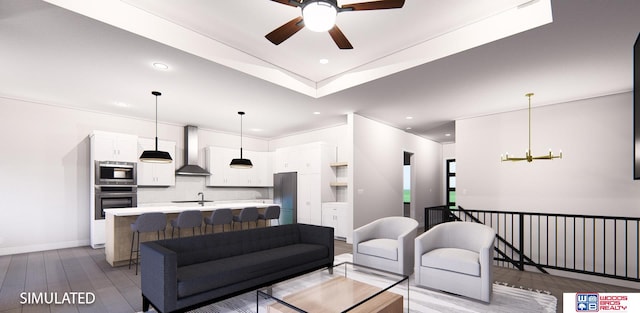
(118, 289)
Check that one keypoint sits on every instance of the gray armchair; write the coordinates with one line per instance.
(456, 257)
(386, 244)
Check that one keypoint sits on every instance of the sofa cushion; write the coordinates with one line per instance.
(200, 277)
(453, 259)
(198, 249)
(384, 248)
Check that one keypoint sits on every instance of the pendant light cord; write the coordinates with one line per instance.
(156, 122)
(241, 114)
(156, 93)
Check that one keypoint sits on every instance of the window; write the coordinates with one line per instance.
(451, 183)
(406, 184)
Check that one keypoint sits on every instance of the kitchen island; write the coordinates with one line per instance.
(118, 225)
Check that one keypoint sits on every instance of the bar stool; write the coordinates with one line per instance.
(272, 212)
(187, 219)
(146, 222)
(248, 214)
(218, 217)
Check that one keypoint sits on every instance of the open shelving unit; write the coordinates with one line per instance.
(340, 171)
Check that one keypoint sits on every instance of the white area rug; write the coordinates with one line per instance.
(505, 299)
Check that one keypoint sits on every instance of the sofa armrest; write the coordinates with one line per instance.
(406, 248)
(486, 258)
(486, 271)
(428, 241)
(318, 235)
(364, 233)
(158, 275)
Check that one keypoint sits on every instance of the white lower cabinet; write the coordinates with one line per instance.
(334, 214)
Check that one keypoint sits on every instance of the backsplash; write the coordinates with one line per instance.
(188, 187)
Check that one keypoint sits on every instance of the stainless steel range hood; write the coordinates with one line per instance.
(191, 168)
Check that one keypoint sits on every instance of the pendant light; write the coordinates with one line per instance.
(155, 156)
(528, 156)
(241, 162)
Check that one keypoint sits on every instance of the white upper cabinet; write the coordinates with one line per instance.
(218, 160)
(222, 175)
(108, 146)
(310, 158)
(286, 160)
(156, 174)
(261, 175)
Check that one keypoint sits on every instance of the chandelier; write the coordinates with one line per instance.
(528, 155)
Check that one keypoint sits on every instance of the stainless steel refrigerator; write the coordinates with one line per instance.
(285, 193)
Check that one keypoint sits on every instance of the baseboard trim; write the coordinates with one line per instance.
(43, 247)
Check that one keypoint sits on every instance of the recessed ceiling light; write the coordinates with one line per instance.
(324, 61)
(409, 117)
(256, 129)
(161, 66)
(447, 135)
(408, 128)
(316, 113)
(121, 104)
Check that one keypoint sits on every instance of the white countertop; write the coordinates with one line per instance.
(178, 209)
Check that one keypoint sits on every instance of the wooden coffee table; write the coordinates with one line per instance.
(340, 291)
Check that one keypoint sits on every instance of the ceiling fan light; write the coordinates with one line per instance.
(319, 16)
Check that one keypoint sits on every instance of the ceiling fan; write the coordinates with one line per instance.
(320, 16)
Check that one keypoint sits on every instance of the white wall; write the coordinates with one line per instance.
(594, 176)
(448, 151)
(44, 171)
(378, 156)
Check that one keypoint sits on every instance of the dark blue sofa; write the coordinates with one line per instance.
(181, 274)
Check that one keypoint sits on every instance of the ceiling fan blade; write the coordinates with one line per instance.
(374, 5)
(339, 38)
(289, 3)
(285, 31)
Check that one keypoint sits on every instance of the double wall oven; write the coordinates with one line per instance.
(115, 186)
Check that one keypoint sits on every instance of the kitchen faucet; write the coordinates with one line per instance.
(201, 194)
